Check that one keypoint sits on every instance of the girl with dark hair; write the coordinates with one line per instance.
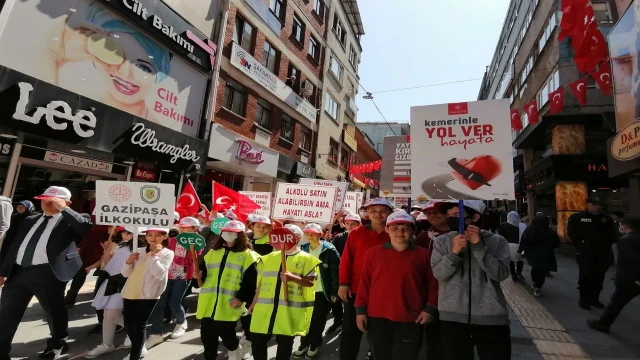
(229, 278)
(537, 245)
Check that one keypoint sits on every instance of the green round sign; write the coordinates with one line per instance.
(217, 224)
(187, 239)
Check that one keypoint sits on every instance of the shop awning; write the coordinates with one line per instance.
(359, 183)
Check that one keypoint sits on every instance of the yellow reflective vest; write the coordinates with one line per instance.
(215, 295)
(272, 314)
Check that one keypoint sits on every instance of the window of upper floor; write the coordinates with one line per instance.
(244, 34)
(339, 30)
(335, 67)
(297, 29)
(270, 56)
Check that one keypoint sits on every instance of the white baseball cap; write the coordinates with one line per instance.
(160, 230)
(400, 218)
(422, 217)
(353, 217)
(188, 221)
(259, 219)
(380, 201)
(233, 226)
(294, 229)
(415, 213)
(55, 192)
(251, 218)
(141, 230)
(312, 228)
(230, 215)
(432, 204)
(176, 216)
(398, 210)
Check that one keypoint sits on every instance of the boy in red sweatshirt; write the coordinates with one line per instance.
(397, 293)
(359, 241)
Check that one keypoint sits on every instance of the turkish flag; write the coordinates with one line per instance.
(531, 108)
(603, 77)
(516, 122)
(227, 199)
(188, 203)
(556, 101)
(593, 49)
(579, 89)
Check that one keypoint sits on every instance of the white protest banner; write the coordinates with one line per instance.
(341, 185)
(261, 198)
(353, 201)
(300, 202)
(134, 204)
(462, 151)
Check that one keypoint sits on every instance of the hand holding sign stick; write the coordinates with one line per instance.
(193, 242)
(284, 240)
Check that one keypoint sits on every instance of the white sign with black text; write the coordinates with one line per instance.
(353, 201)
(300, 202)
(60, 158)
(341, 185)
(261, 198)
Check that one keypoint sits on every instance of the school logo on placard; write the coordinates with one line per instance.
(150, 194)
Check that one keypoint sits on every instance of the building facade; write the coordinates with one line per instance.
(120, 100)
(336, 131)
(377, 131)
(560, 160)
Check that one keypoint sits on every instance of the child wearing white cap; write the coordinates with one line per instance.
(147, 275)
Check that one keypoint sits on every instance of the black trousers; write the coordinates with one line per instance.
(318, 320)
(516, 267)
(259, 345)
(211, 329)
(391, 340)
(19, 289)
(434, 340)
(538, 277)
(245, 321)
(351, 335)
(136, 315)
(593, 267)
(338, 312)
(76, 284)
(620, 298)
(493, 342)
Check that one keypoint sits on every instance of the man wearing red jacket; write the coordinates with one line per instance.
(397, 294)
(360, 240)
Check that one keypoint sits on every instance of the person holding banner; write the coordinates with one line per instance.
(147, 274)
(283, 304)
(260, 235)
(180, 275)
(326, 288)
(469, 267)
(229, 278)
(397, 294)
(360, 240)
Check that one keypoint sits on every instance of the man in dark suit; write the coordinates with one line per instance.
(41, 260)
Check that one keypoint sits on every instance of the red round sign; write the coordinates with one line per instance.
(282, 239)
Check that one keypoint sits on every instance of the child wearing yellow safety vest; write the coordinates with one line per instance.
(272, 314)
(229, 279)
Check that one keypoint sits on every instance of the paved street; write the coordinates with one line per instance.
(559, 299)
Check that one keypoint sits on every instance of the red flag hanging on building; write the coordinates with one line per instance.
(585, 26)
(531, 108)
(516, 122)
(188, 203)
(579, 89)
(570, 11)
(593, 49)
(225, 199)
(603, 77)
(556, 101)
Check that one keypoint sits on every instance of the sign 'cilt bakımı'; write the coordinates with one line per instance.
(462, 151)
(135, 204)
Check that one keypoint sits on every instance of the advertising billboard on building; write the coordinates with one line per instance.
(395, 173)
(462, 151)
(82, 47)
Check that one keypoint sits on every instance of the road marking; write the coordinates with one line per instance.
(440, 191)
(549, 336)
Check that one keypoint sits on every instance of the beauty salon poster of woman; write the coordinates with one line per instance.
(81, 46)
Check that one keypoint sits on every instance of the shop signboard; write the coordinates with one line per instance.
(298, 202)
(146, 175)
(626, 144)
(395, 174)
(110, 61)
(227, 146)
(39, 108)
(261, 198)
(134, 204)
(242, 60)
(353, 201)
(305, 170)
(340, 185)
(61, 158)
(462, 151)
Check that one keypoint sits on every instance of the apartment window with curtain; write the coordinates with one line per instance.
(244, 34)
(269, 57)
(263, 114)
(602, 12)
(234, 94)
(331, 106)
(305, 139)
(336, 67)
(277, 7)
(318, 8)
(353, 57)
(314, 49)
(287, 128)
(333, 150)
(338, 29)
(552, 84)
(297, 30)
(344, 158)
(548, 30)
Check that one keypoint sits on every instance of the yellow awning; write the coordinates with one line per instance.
(359, 183)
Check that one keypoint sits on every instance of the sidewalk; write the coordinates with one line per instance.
(560, 298)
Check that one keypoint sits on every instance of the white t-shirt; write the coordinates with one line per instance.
(316, 254)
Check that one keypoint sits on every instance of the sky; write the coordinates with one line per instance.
(423, 42)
